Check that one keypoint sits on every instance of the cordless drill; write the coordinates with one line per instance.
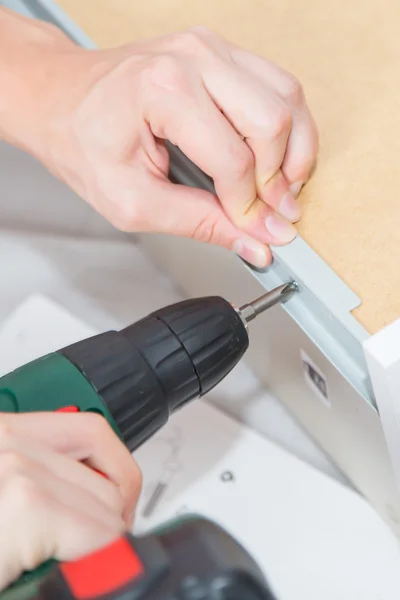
(140, 375)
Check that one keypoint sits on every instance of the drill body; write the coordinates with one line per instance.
(136, 377)
(186, 559)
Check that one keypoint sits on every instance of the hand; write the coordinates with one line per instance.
(51, 504)
(241, 119)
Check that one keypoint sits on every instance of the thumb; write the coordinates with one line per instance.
(197, 214)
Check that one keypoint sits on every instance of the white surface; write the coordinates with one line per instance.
(382, 352)
(314, 538)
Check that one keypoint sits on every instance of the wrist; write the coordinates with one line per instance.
(39, 77)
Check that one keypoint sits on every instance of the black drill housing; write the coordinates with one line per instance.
(155, 366)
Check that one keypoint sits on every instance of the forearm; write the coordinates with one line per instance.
(32, 54)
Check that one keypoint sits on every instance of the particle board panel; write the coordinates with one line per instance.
(347, 55)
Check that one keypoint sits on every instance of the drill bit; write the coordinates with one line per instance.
(277, 296)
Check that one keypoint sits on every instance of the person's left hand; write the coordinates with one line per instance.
(240, 118)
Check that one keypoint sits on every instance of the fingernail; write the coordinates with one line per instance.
(252, 252)
(295, 188)
(280, 229)
(289, 208)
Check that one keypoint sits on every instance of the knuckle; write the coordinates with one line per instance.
(241, 161)
(6, 434)
(98, 427)
(164, 71)
(300, 167)
(12, 463)
(294, 90)
(193, 41)
(297, 172)
(202, 30)
(281, 122)
(115, 498)
(25, 492)
(127, 217)
(206, 230)
(138, 476)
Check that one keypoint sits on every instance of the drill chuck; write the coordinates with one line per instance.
(148, 370)
(155, 366)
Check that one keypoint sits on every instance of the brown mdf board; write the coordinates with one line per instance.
(347, 56)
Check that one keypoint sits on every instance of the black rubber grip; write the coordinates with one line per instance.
(125, 382)
(212, 333)
(155, 366)
(166, 356)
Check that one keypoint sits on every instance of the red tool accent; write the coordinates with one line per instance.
(103, 572)
(100, 473)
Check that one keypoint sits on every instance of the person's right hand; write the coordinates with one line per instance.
(52, 504)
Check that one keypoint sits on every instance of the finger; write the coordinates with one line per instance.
(190, 212)
(58, 464)
(85, 437)
(154, 154)
(177, 210)
(265, 121)
(189, 119)
(302, 146)
(21, 461)
(36, 527)
(301, 152)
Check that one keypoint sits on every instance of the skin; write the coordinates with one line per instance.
(98, 120)
(52, 502)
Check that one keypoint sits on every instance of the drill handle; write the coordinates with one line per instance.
(109, 573)
(188, 558)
